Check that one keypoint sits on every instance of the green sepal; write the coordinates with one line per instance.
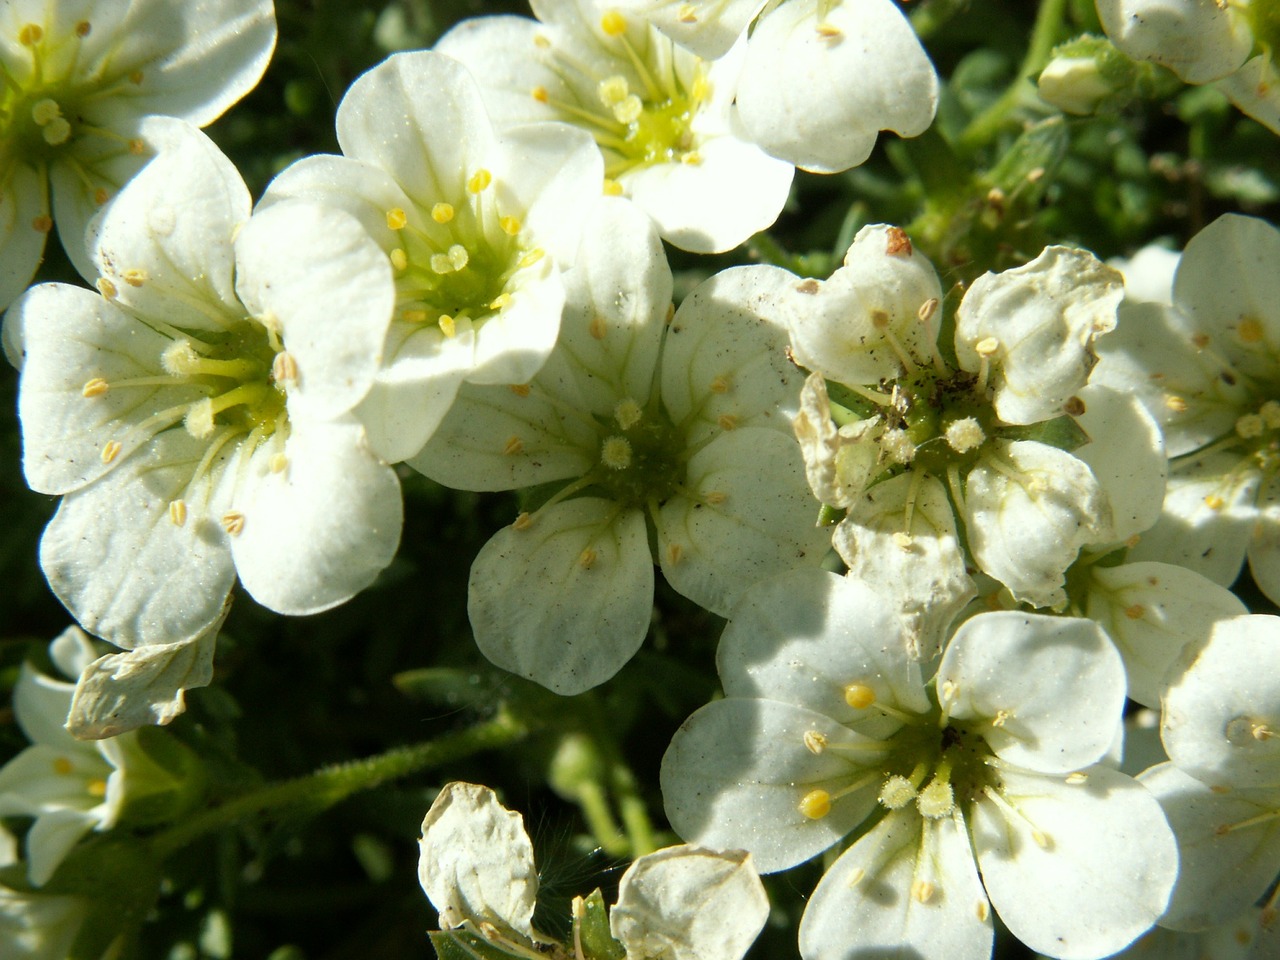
(165, 779)
(120, 881)
(1061, 432)
(1025, 169)
(465, 944)
(593, 930)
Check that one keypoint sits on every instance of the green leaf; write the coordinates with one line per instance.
(464, 944)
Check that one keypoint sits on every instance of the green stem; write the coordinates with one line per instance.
(329, 785)
(594, 804)
(1045, 35)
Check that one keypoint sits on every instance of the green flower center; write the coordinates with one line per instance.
(640, 456)
(1263, 17)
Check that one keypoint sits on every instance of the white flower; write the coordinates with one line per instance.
(79, 77)
(672, 434)
(68, 786)
(1232, 43)
(1221, 789)
(680, 903)
(477, 226)
(987, 444)
(820, 78)
(196, 416)
(1208, 369)
(660, 115)
(828, 728)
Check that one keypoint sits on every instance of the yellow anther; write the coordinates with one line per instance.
(42, 223)
(396, 219)
(715, 497)
(1135, 611)
(83, 28)
(612, 188)
(233, 522)
(1250, 330)
(981, 910)
(540, 94)
(612, 90)
(523, 521)
(278, 463)
(628, 109)
(30, 34)
(829, 31)
(1270, 413)
(1175, 403)
(949, 690)
(96, 787)
(62, 766)
(500, 302)
(727, 421)
(458, 256)
(597, 327)
(399, 259)
(106, 288)
(510, 225)
(936, 800)
(687, 13)
(479, 181)
(1042, 839)
(903, 540)
(880, 319)
(691, 158)
(1250, 425)
(922, 891)
(134, 277)
(447, 326)
(284, 368)
(587, 558)
(815, 741)
(615, 453)
(927, 310)
(136, 78)
(965, 434)
(627, 413)
(178, 512)
(513, 446)
(441, 264)
(1077, 778)
(519, 389)
(721, 384)
(816, 804)
(137, 147)
(94, 387)
(414, 315)
(45, 111)
(986, 347)
(541, 40)
(1214, 502)
(442, 212)
(613, 24)
(1001, 718)
(859, 696)
(675, 553)
(897, 792)
(101, 196)
(856, 875)
(531, 257)
(808, 286)
(110, 451)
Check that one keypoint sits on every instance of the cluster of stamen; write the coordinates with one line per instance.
(453, 269)
(638, 121)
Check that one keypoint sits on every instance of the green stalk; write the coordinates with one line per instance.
(1045, 35)
(329, 785)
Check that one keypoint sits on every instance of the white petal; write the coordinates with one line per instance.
(51, 838)
(1264, 546)
(1103, 875)
(708, 28)
(123, 567)
(1029, 508)
(1148, 274)
(737, 770)
(1191, 392)
(316, 272)
(1059, 712)
(804, 637)
(1152, 611)
(1207, 518)
(818, 100)
(687, 903)
(839, 463)
(1043, 317)
(1222, 714)
(1228, 287)
(746, 514)
(1126, 454)
(1197, 41)
(566, 601)
(123, 691)
(514, 342)
(321, 529)
(476, 862)
(22, 200)
(73, 337)
(40, 704)
(724, 359)
(1224, 871)
(1253, 88)
(900, 540)
(838, 328)
(164, 243)
(894, 895)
